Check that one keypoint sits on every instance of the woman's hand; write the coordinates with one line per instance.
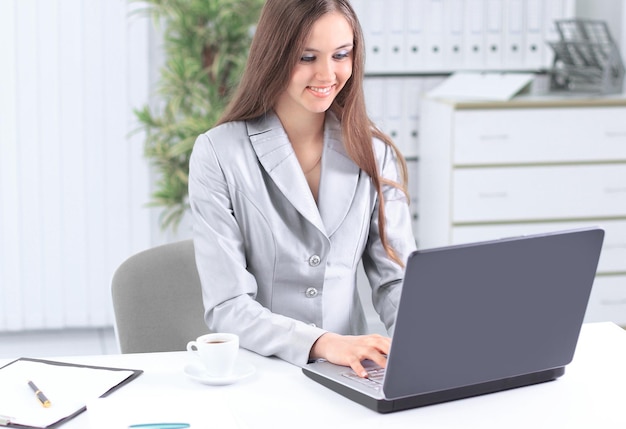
(350, 351)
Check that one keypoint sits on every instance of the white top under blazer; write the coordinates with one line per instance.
(276, 268)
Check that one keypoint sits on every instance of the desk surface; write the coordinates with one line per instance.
(278, 395)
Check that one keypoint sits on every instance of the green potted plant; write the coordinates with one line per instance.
(205, 43)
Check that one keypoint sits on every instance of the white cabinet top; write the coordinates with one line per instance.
(537, 101)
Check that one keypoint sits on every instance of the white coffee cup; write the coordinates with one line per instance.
(217, 351)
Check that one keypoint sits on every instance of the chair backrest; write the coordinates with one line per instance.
(157, 299)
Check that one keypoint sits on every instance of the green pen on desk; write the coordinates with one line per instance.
(161, 425)
(42, 398)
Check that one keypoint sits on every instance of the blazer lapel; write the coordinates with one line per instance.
(340, 176)
(276, 155)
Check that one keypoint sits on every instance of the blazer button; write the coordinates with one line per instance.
(314, 260)
(311, 292)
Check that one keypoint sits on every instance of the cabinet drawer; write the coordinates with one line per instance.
(608, 300)
(612, 258)
(506, 136)
(536, 193)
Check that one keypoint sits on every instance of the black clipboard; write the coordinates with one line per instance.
(134, 373)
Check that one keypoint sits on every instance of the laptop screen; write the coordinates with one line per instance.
(491, 310)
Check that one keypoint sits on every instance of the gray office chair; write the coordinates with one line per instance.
(157, 300)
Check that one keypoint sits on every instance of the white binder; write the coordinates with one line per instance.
(513, 34)
(412, 96)
(415, 36)
(396, 30)
(493, 34)
(534, 45)
(374, 89)
(474, 58)
(394, 112)
(413, 173)
(454, 23)
(361, 9)
(434, 13)
(371, 14)
(412, 166)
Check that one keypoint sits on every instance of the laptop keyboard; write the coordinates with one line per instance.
(373, 380)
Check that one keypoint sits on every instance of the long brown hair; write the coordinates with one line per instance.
(278, 43)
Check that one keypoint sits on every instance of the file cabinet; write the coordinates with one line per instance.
(498, 169)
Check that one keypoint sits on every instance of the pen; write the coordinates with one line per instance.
(161, 425)
(42, 398)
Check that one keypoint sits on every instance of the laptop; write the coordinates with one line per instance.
(479, 318)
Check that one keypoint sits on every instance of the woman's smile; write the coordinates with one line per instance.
(321, 91)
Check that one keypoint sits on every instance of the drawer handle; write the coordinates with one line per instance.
(614, 246)
(495, 194)
(615, 190)
(489, 137)
(613, 301)
(612, 134)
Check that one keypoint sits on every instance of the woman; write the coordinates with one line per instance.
(293, 188)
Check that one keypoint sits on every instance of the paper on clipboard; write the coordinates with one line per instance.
(67, 386)
(482, 86)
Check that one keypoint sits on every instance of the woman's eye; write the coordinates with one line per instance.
(341, 55)
(307, 58)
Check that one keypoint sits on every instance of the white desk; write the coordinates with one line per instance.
(592, 393)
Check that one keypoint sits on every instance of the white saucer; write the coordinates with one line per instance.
(196, 371)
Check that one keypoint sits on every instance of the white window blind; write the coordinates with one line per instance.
(73, 180)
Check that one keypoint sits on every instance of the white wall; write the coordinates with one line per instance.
(73, 181)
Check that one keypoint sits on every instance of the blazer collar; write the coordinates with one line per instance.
(339, 174)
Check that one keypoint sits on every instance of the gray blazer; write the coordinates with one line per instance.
(276, 268)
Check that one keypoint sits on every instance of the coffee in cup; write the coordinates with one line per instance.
(217, 352)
